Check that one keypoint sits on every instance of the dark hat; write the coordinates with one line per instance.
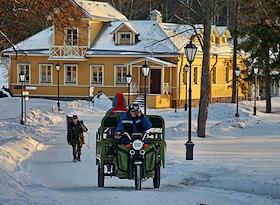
(133, 107)
(75, 117)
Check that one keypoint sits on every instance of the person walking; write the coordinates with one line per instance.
(75, 137)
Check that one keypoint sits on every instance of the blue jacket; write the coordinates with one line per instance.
(131, 125)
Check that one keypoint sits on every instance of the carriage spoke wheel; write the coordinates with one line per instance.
(100, 176)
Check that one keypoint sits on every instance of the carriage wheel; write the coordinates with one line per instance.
(100, 176)
(137, 171)
(156, 179)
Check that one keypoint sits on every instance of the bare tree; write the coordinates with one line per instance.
(204, 10)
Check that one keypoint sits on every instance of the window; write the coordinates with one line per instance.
(227, 73)
(124, 38)
(217, 40)
(214, 75)
(71, 74)
(121, 72)
(195, 75)
(71, 37)
(45, 73)
(24, 68)
(96, 74)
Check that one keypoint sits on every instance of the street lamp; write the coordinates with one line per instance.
(145, 70)
(22, 79)
(57, 66)
(256, 70)
(190, 51)
(237, 73)
(26, 98)
(186, 81)
(128, 80)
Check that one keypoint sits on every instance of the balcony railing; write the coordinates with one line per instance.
(135, 88)
(68, 51)
(166, 88)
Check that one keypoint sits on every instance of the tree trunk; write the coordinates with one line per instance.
(234, 58)
(205, 88)
(268, 92)
(267, 81)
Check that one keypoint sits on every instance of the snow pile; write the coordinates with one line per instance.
(3, 76)
(37, 117)
(18, 142)
(102, 102)
(17, 149)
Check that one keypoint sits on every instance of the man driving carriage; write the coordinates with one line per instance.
(133, 121)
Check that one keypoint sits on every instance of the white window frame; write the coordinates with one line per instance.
(65, 36)
(124, 33)
(91, 74)
(18, 72)
(116, 75)
(65, 74)
(40, 73)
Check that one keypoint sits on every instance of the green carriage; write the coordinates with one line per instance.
(122, 160)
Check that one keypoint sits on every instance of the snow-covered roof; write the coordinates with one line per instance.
(128, 25)
(100, 10)
(38, 43)
(154, 38)
(150, 39)
(223, 30)
(152, 59)
(180, 35)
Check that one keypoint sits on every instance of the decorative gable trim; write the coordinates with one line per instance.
(128, 26)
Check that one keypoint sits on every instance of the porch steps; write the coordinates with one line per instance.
(139, 100)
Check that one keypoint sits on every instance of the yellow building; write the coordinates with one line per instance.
(103, 47)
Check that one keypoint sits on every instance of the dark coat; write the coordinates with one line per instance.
(131, 124)
(74, 131)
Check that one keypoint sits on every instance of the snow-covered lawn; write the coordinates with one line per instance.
(238, 163)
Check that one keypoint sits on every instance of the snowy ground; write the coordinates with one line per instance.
(237, 164)
(3, 76)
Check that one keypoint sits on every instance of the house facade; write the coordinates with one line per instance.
(103, 47)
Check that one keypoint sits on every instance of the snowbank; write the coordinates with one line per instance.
(3, 76)
(102, 102)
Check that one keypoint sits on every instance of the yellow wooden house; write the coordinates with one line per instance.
(104, 46)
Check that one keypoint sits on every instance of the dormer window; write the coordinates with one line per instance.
(125, 34)
(71, 37)
(124, 38)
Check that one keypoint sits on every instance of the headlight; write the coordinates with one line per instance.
(137, 144)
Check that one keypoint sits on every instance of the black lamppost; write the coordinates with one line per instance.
(190, 51)
(186, 83)
(237, 73)
(145, 69)
(22, 78)
(256, 70)
(128, 80)
(57, 66)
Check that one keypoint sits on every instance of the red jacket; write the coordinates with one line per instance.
(119, 104)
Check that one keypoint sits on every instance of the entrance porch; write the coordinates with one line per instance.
(160, 84)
